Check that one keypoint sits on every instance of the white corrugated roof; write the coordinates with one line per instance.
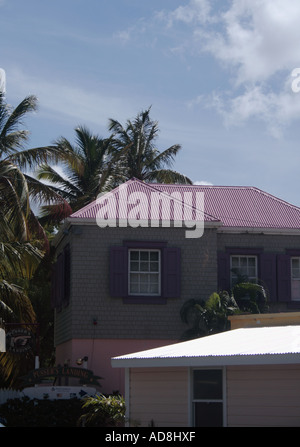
(263, 345)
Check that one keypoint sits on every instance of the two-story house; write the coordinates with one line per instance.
(127, 262)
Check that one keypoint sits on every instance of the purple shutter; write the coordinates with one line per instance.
(223, 271)
(268, 274)
(119, 271)
(53, 286)
(59, 281)
(171, 272)
(67, 276)
(284, 277)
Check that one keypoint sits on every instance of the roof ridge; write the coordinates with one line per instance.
(277, 199)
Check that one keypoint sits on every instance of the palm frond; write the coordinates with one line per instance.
(66, 188)
(168, 176)
(30, 158)
(11, 138)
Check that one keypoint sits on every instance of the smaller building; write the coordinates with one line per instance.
(248, 376)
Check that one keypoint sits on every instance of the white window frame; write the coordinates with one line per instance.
(140, 273)
(250, 278)
(295, 280)
(193, 400)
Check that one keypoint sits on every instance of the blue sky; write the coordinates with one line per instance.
(217, 74)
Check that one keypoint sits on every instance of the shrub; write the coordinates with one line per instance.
(27, 412)
(103, 411)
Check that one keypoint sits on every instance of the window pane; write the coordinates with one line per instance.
(154, 256)
(296, 268)
(235, 261)
(295, 286)
(153, 266)
(134, 277)
(134, 255)
(246, 266)
(153, 288)
(154, 278)
(144, 255)
(251, 262)
(144, 266)
(208, 384)
(144, 288)
(208, 414)
(134, 266)
(243, 262)
(144, 278)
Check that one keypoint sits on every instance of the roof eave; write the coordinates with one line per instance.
(259, 230)
(207, 361)
(93, 221)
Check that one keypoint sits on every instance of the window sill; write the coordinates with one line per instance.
(146, 299)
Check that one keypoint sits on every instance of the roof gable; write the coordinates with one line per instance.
(149, 198)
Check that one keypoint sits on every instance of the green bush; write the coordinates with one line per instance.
(103, 411)
(251, 297)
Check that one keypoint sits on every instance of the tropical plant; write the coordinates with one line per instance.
(21, 250)
(250, 297)
(23, 241)
(12, 142)
(143, 160)
(89, 169)
(103, 411)
(208, 317)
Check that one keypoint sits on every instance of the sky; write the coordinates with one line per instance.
(220, 77)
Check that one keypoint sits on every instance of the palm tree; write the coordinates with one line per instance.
(90, 168)
(143, 160)
(22, 239)
(12, 141)
(21, 250)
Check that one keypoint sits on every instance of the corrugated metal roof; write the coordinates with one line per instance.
(151, 201)
(238, 346)
(234, 206)
(242, 206)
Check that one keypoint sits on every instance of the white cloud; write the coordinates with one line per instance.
(260, 38)
(197, 11)
(275, 109)
(202, 182)
(256, 43)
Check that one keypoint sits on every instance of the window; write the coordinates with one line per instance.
(144, 272)
(245, 267)
(208, 397)
(295, 278)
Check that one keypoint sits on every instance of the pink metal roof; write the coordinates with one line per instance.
(233, 206)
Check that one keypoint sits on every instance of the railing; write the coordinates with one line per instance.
(7, 393)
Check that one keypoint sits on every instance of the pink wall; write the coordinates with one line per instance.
(99, 353)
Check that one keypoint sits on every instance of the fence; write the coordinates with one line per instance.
(6, 394)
